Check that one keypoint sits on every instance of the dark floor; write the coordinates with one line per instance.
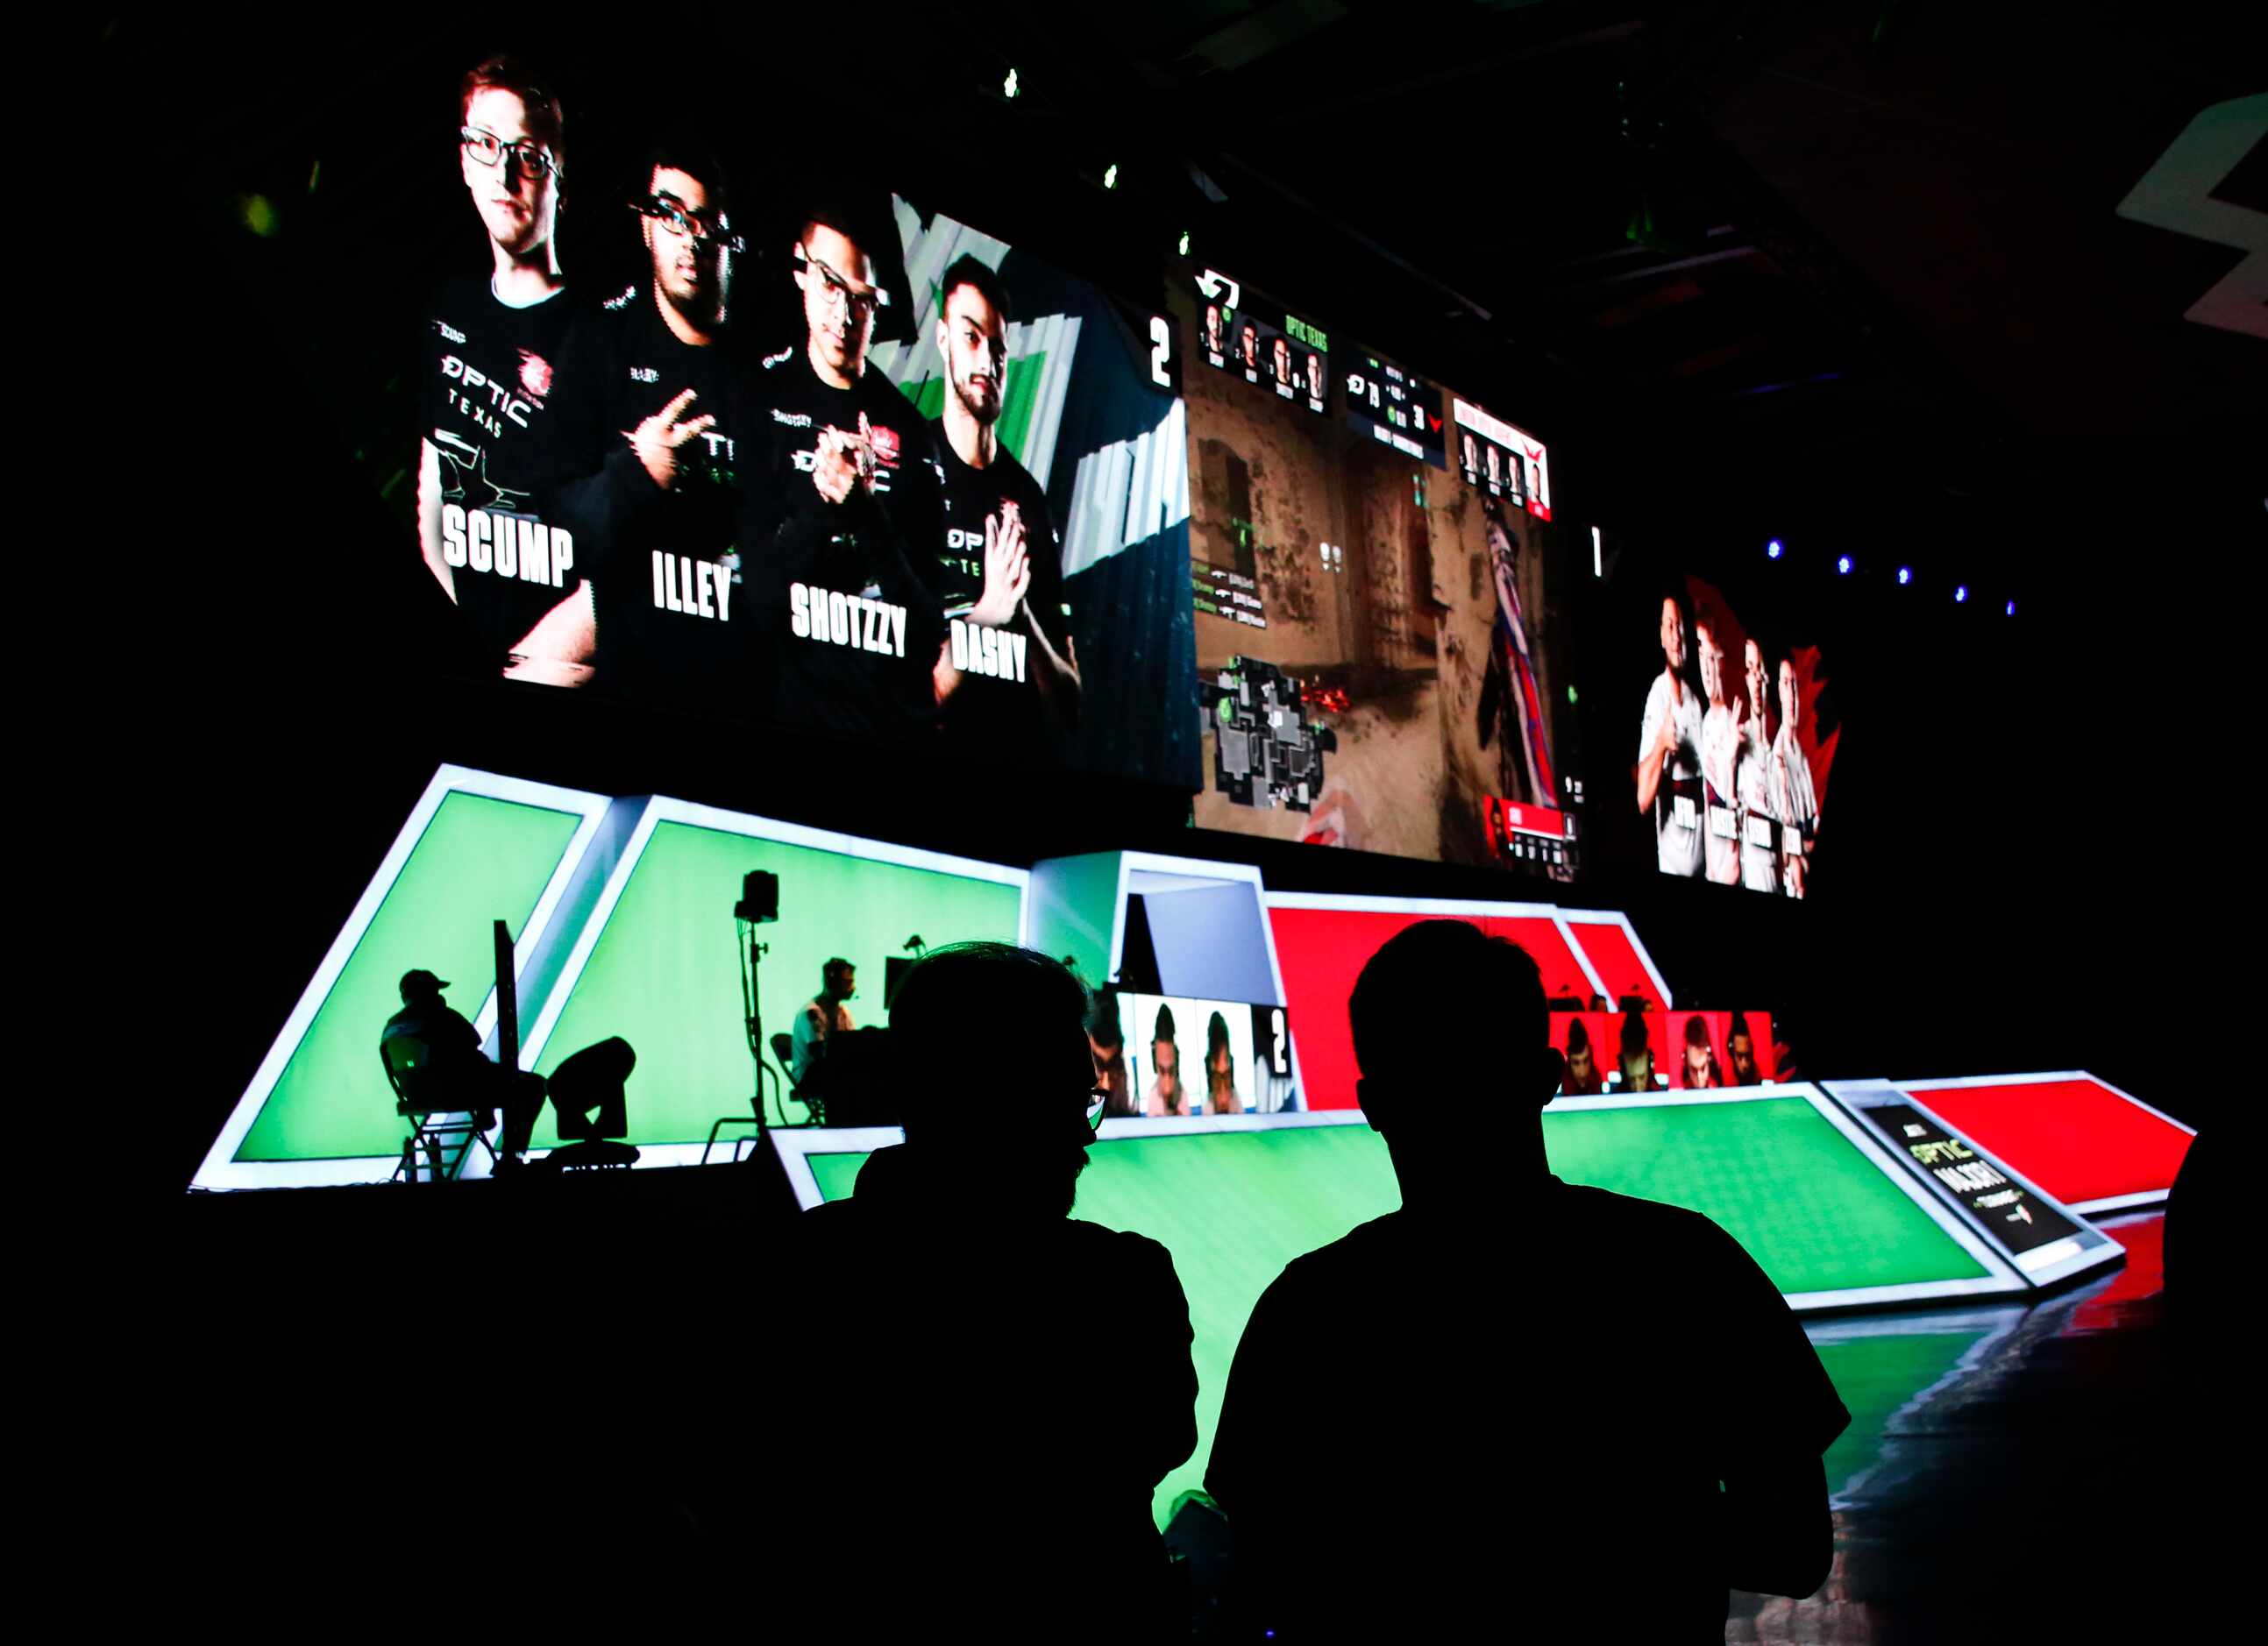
(2015, 1473)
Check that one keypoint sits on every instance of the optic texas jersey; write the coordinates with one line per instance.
(997, 707)
(675, 623)
(487, 397)
(852, 629)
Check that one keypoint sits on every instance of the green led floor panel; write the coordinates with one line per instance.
(1817, 1213)
(661, 973)
(1826, 1221)
(479, 859)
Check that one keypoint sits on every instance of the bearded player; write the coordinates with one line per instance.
(490, 444)
(666, 430)
(854, 494)
(1007, 669)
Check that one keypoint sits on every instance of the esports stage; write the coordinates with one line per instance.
(1960, 1249)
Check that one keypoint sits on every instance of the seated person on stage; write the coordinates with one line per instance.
(1574, 1414)
(1740, 1052)
(1637, 1071)
(1166, 1092)
(1109, 1045)
(824, 1014)
(998, 1386)
(1700, 1072)
(1582, 1067)
(454, 1074)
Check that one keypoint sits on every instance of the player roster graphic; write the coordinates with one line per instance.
(1263, 342)
(762, 434)
(1504, 461)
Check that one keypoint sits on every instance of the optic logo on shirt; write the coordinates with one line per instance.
(482, 398)
(536, 376)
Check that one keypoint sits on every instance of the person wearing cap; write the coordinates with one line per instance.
(452, 1046)
(456, 1066)
(1002, 1384)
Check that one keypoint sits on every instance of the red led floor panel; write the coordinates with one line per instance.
(2084, 1141)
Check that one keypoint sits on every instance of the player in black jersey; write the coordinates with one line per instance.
(663, 422)
(1008, 677)
(856, 486)
(489, 446)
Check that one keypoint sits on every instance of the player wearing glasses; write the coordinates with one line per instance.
(662, 422)
(488, 443)
(854, 484)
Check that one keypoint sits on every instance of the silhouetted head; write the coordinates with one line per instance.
(418, 984)
(1024, 1150)
(1448, 1020)
(838, 978)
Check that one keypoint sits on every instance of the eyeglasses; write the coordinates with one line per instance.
(673, 218)
(837, 292)
(489, 149)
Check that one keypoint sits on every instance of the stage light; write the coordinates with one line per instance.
(1905, 575)
(1843, 564)
(1008, 86)
(1185, 242)
(1771, 549)
(1960, 594)
(1111, 177)
(2012, 608)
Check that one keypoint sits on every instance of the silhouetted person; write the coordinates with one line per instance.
(998, 1387)
(454, 1074)
(1540, 1411)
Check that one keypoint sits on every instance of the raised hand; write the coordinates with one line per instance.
(656, 440)
(1007, 569)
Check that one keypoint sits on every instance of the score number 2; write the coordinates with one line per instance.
(1161, 349)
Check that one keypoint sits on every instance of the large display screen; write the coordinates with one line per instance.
(1204, 1057)
(1737, 734)
(736, 440)
(1382, 660)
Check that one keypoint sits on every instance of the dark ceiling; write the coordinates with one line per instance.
(1851, 257)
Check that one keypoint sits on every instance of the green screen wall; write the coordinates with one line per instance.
(479, 860)
(664, 977)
